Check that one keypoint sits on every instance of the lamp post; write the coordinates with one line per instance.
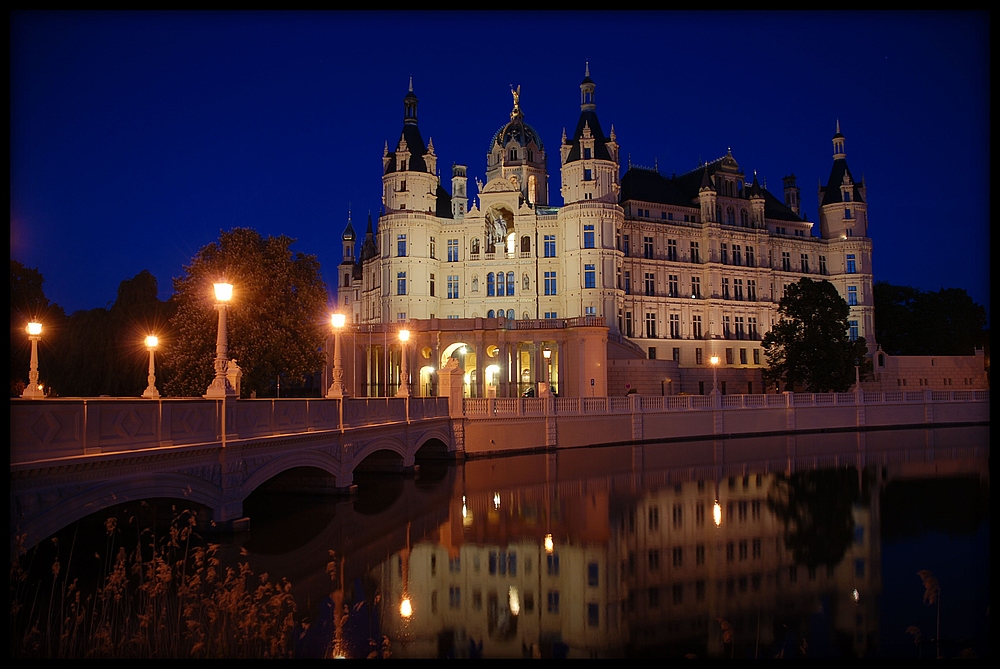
(151, 392)
(404, 380)
(545, 388)
(336, 391)
(33, 390)
(220, 387)
(715, 374)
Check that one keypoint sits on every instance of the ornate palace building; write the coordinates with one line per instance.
(678, 268)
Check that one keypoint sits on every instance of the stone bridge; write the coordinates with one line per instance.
(73, 457)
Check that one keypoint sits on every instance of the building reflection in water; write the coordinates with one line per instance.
(703, 560)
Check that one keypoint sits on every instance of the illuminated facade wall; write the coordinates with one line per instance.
(684, 267)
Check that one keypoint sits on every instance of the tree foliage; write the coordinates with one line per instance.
(103, 352)
(276, 322)
(909, 321)
(810, 345)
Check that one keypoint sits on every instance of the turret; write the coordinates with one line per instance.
(590, 159)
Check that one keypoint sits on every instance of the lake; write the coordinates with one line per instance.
(596, 552)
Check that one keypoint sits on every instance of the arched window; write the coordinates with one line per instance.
(510, 314)
(730, 216)
(500, 285)
(490, 314)
(510, 284)
(490, 285)
(513, 154)
(718, 213)
(526, 244)
(475, 246)
(744, 218)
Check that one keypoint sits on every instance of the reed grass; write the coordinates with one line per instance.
(169, 597)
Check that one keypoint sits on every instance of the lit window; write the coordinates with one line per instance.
(550, 283)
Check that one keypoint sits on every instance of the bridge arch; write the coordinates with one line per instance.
(163, 485)
(314, 459)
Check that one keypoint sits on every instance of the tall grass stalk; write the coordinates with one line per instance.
(180, 602)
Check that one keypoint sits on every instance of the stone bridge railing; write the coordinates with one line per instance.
(66, 427)
(578, 406)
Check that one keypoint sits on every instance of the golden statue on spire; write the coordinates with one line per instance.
(517, 101)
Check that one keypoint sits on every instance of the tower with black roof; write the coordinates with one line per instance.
(843, 206)
(409, 180)
(591, 216)
(590, 159)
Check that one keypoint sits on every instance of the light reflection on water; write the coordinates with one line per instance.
(616, 552)
(637, 567)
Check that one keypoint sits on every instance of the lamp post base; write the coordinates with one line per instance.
(31, 392)
(218, 390)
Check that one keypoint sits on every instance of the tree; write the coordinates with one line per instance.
(909, 321)
(810, 344)
(276, 320)
(103, 351)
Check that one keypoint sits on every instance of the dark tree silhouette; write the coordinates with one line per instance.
(810, 344)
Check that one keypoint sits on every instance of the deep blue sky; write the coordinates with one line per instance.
(137, 137)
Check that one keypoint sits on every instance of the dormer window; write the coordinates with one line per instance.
(586, 154)
(847, 196)
(513, 154)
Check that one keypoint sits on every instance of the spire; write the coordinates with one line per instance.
(410, 106)
(838, 144)
(349, 230)
(587, 91)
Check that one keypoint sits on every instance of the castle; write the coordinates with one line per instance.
(667, 272)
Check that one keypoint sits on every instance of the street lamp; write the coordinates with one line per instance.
(404, 381)
(220, 387)
(33, 390)
(715, 374)
(545, 388)
(336, 391)
(151, 392)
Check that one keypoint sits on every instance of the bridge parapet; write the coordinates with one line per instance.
(67, 427)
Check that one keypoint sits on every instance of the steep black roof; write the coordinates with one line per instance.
(415, 145)
(443, 203)
(832, 193)
(775, 208)
(651, 186)
(589, 117)
(368, 248)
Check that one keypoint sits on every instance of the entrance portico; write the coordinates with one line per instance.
(496, 357)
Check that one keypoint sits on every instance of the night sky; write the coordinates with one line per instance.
(137, 137)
